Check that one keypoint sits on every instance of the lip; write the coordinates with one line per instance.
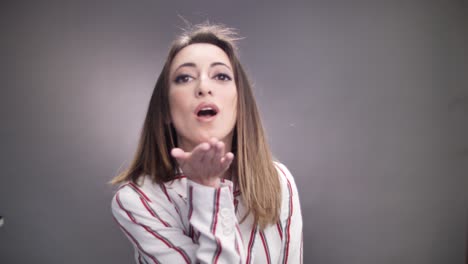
(203, 105)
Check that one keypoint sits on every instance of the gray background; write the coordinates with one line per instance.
(366, 102)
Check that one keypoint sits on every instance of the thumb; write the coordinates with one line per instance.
(179, 154)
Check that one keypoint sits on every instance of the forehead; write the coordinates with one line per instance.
(202, 54)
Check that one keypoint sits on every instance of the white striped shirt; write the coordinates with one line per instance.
(185, 222)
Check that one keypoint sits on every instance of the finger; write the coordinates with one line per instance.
(213, 141)
(212, 151)
(180, 156)
(219, 152)
(179, 153)
(210, 154)
(227, 160)
(199, 151)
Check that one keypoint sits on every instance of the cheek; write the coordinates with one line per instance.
(233, 100)
(177, 104)
(234, 106)
(231, 103)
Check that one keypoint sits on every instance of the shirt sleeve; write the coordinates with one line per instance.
(212, 215)
(154, 229)
(292, 251)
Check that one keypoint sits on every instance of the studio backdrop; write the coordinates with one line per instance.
(364, 101)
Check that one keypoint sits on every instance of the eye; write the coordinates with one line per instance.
(182, 78)
(223, 77)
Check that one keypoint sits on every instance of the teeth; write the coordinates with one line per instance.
(206, 108)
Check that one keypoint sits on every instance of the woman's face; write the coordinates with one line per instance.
(202, 95)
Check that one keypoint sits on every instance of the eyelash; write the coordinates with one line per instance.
(224, 76)
(180, 78)
(183, 78)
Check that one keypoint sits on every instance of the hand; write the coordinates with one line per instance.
(206, 164)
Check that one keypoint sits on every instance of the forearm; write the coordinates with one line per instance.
(212, 216)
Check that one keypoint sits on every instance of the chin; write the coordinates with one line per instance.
(206, 137)
(195, 139)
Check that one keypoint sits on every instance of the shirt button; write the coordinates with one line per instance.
(227, 231)
(227, 222)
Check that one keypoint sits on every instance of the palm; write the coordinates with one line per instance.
(207, 162)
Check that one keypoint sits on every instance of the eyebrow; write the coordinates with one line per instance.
(191, 64)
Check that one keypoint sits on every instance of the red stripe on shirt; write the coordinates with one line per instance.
(218, 250)
(136, 188)
(288, 222)
(153, 213)
(216, 210)
(190, 194)
(280, 231)
(136, 243)
(239, 233)
(178, 177)
(163, 187)
(237, 246)
(144, 200)
(190, 212)
(219, 247)
(251, 243)
(167, 242)
(265, 246)
(154, 233)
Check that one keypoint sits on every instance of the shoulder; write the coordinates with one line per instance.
(144, 192)
(145, 201)
(286, 178)
(288, 189)
(128, 194)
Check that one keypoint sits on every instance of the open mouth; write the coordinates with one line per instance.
(207, 112)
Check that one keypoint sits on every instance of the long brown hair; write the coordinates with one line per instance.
(253, 167)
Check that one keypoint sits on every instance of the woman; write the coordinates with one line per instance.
(203, 186)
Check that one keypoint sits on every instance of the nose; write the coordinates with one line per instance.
(203, 88)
